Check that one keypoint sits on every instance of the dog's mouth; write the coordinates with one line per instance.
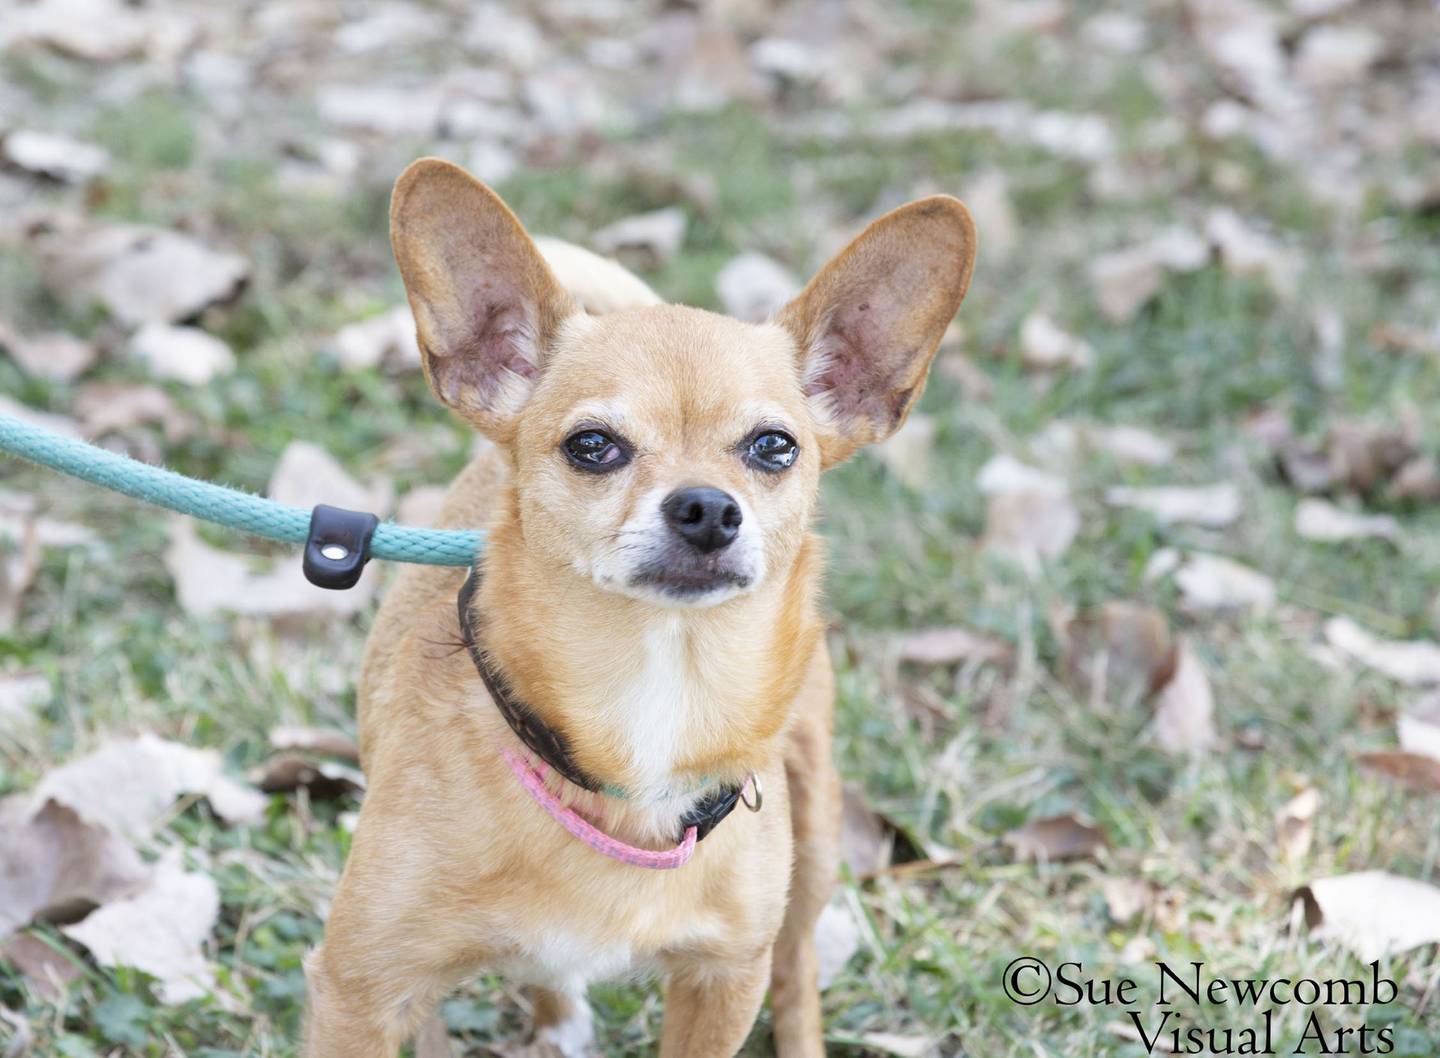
(690, 581)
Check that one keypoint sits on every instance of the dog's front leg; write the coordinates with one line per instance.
(710, 1007)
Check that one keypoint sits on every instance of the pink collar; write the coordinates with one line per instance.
(533, 780)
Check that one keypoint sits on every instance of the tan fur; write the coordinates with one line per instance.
(454, 868)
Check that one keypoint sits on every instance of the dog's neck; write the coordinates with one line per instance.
(649, 698)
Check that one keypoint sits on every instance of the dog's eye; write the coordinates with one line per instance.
(594, 450)
(772, 450)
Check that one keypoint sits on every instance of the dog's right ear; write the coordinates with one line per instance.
(486, 305)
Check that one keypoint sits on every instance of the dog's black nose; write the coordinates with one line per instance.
(707, 518)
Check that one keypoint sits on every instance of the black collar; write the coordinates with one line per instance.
(550, 745)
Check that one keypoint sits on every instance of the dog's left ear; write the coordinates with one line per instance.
(869, 322)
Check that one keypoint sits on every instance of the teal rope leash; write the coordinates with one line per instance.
(242, 511)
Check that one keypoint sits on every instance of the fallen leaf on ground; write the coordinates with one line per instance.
(1126, 899)
(988, 198)
(1045, 347)
(210, 581)
(324, 780)
(1214, 506)
(59, 157)
(1213, 582)
(1244, 251)
(1185, 706)
(57, 356)
(117, 407)
(1323, 521)
(65, 427)
(48, 971)
(1365, 455)
(433, 1039)
(837, 939)
(323, 740)
(422, 506)
(1335, 56)
(1414, 662)
(1373, 913)
(127, 786)
(1418, 771)
(56, 865)
(384, 340)
(20, 693)
(1055, 838)
(160, 929)
(184, 354)
(900, 1046)
(1295, 824)
(866, 843)
(646, 240)
(1119, 644)
(1067, 441)
(1029, 515)
(953, 645)
(1419, 726)
(306, 474)
(753, 287)
(906, 453)
(18, 568)
(1125, 281)
(599, 284)
(1418, 479)
(140, 274)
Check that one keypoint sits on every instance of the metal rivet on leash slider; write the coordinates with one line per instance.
(338, 546)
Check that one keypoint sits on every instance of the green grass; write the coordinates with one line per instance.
(1002, 746)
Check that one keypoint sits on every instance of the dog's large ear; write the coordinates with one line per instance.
(486, 305)
(870, 321)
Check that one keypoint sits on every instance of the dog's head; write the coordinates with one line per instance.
(668, 453)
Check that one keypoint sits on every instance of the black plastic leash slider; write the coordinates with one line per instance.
(338, 546)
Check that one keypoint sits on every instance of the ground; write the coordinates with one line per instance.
(1076, 130)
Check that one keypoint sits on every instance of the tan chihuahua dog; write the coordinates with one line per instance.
(643, 648)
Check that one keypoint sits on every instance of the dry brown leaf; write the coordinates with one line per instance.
(55, 355)
(1185, 706)
(1244, 251)
(1323, 521)
(953, 645)
(1295, 824)
(117, 407)
(322, 740)
(1412, 662)
(64, 426)
(1418, 479)
(1210, 583)
(1373, 913)
(1214, 506)
(1066, 441)
(1365, 455)
(181, 354)
(1045, 347)
(1332, 57)
(140, 274)
(753, 287)
(906, 453)
(837, 939)
(55, 866)
(422, 506)
(1126, 899)
(1054, 838)
(1418, 771)
(1119, 644)
(866, 843)
(646, 240)
(898, 1045)
(988, 197)
(58, 157)
(127, 786)
(1125, 281)
(1029, 515)
(323, 780)
(210, 581)
(385, 340)
(160, 929)
(306, 474)
(48, 971)
(1419, 726)
(20, 693)
(433, 1039)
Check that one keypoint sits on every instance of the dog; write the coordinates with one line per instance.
(612, 754)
